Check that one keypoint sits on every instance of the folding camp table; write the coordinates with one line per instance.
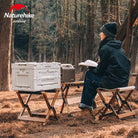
(37, 117)
(121, 101)
(65, 89)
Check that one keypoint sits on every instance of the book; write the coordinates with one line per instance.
(88, 63)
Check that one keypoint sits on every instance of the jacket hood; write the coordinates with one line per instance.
(114, 43)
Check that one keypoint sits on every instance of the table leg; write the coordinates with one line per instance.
(64, 96)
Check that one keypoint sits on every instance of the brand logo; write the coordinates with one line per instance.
(20, 17)
(18, 7)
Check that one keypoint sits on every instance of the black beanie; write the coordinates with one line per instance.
(109, 29)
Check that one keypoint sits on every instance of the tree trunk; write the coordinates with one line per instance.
(112, 10)
(104, 11)
(40, 54)
(56, 33)
(136, 82)
(81, 33)
(44, 54)
(90, 29)
(5, 45)
(12, 40)
(67, 36)
(54, 51)
(88, 36)
(70, 50)
(30, 53)
(117, 12)
(60, 49)
(134, 49)
(128, 31)
(73, 53)
(76, 40)
(12, 44)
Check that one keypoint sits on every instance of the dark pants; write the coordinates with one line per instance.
(91, 83)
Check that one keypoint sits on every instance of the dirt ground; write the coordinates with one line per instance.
(76, 126)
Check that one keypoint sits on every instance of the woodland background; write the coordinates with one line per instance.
(65, 31)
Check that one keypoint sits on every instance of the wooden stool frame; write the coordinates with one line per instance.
(116, 95)
(37, 117)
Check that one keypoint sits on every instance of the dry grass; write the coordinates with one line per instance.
(120, 131)
(133, 133)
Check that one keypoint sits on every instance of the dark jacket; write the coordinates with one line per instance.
(114, 66)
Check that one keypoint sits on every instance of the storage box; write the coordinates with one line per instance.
(33, 76)
(67, 73)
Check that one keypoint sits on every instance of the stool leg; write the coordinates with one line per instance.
(108, 106)
(47, 117)
(126, 102)
(46, 100)
(50, 107)
(24, 105)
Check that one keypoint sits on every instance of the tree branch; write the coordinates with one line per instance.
(122, 29)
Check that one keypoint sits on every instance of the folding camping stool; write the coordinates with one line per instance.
(116, 102)
(37, 116)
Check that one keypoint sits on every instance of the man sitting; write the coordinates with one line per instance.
(112, 70)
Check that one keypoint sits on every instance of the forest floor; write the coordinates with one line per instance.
(79, 125)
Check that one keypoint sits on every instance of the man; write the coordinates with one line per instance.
(112, 70)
